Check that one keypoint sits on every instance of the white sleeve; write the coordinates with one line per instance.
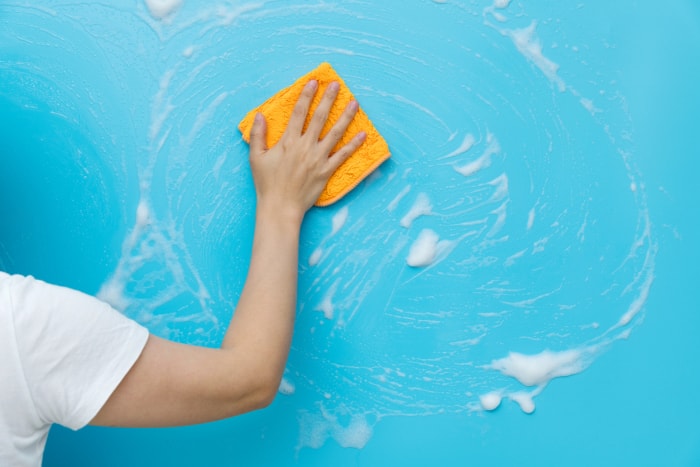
(74, 349)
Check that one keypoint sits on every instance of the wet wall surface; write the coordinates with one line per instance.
(513, 287)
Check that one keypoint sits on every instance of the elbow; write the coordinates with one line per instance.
(264, 391)
(254, 385)
(266, 398)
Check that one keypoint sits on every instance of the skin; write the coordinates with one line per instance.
(179, 384)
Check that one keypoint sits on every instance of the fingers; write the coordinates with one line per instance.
(258, 135)
(346, 151)
(340, 127)
(301, 109)
(318, 121)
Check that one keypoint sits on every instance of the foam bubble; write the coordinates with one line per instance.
(161, 9)
(490, 401)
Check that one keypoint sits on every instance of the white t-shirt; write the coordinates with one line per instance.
(62, 354)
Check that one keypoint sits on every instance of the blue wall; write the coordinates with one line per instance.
(549, 148)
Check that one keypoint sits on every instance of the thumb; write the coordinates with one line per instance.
(258, 135)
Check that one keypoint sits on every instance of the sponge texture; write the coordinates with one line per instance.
(278, 110)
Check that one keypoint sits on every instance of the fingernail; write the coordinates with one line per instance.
(312, 84)
(362, 135)
(334, 86)
(353, 105)
(258, 117)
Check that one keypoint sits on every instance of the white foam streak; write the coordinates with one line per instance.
(339, 220)
(421, 207)
(466, 145)
(395, 202)
(326, 306)
(483, 161)
(529, 45)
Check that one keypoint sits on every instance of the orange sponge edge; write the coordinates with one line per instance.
(278, 110)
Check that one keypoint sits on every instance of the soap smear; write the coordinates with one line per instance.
(315, 256)
(354, 431)
(395, 202)
(529, 45)
(187, 53)
(539, 369)
(161, 9)
(466, 145)
(339, 220)
(326, 306)
(421, 207)
(484, 160)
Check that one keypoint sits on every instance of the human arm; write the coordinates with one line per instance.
(176, 384)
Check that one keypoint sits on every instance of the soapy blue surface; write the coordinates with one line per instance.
(584, 213)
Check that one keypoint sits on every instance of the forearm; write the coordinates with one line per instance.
(263, 321)
(173, 384)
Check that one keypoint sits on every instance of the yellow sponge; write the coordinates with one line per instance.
(278, 110)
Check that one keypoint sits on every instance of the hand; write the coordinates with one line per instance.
(290, 176)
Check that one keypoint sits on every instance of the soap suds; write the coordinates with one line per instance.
(143, 214)
(539, 369)
(187, 53)
(501, 187)
(529, 45)
(161, 9)
(638, 303)
(316, 429)
(337, 223)
(524, 400)
(326, 306)
(482, 161)
(286, 387)
(315, 256)
(395, 202)
(530, 218)
(421, 207)
(339, 220)
(588, 105)
(427, 248)
(490, 401)
(466, 145)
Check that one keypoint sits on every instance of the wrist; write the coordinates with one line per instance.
(283, 216)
